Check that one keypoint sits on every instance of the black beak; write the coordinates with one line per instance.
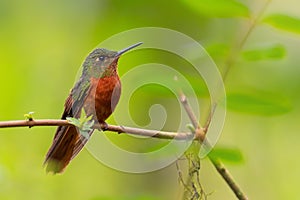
(127, 49)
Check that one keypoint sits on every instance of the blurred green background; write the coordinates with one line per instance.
(43, 43)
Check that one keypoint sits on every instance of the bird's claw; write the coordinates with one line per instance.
(104, 126)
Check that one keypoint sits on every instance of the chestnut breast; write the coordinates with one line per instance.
(103, 97)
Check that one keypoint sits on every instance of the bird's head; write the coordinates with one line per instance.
(103, 62)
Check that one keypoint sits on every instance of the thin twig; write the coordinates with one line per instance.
(253, 22)
(113, 128)
(228, 64)
(199, 130)
(31, 123)
(193, 168)
(235, 53)
(210, 116)
(229, 179)
(218, 164)
(189, 110)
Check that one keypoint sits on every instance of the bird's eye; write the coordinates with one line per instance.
(101, 58)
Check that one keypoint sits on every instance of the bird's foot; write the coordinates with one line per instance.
(104, 126)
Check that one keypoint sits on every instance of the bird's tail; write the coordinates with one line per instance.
(66, 144)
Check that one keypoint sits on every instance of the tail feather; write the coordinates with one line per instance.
(66, 145)
(80, 144)
(62, 148)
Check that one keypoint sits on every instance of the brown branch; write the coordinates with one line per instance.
(217, 163)
(229, 179)
(201, 134)
(113, 128)
(199, 130)
(135, 131)
(189, 110)
(230, 62)
(220, 167)
(31, 123)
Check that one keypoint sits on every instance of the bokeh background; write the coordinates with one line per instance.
(43, 43)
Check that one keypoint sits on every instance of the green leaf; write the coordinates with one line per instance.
(85, 124)
(29, 116)
(228, 154)
(219, 8)
(74, 121)
(191, 128)
(258, 103)
(284, 22)
(84, 133)
(88, 125)
(276, 51)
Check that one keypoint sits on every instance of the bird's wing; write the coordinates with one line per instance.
(75, 101)
(66, 137)
(81, 141)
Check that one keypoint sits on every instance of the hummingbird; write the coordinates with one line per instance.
(97, 91)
